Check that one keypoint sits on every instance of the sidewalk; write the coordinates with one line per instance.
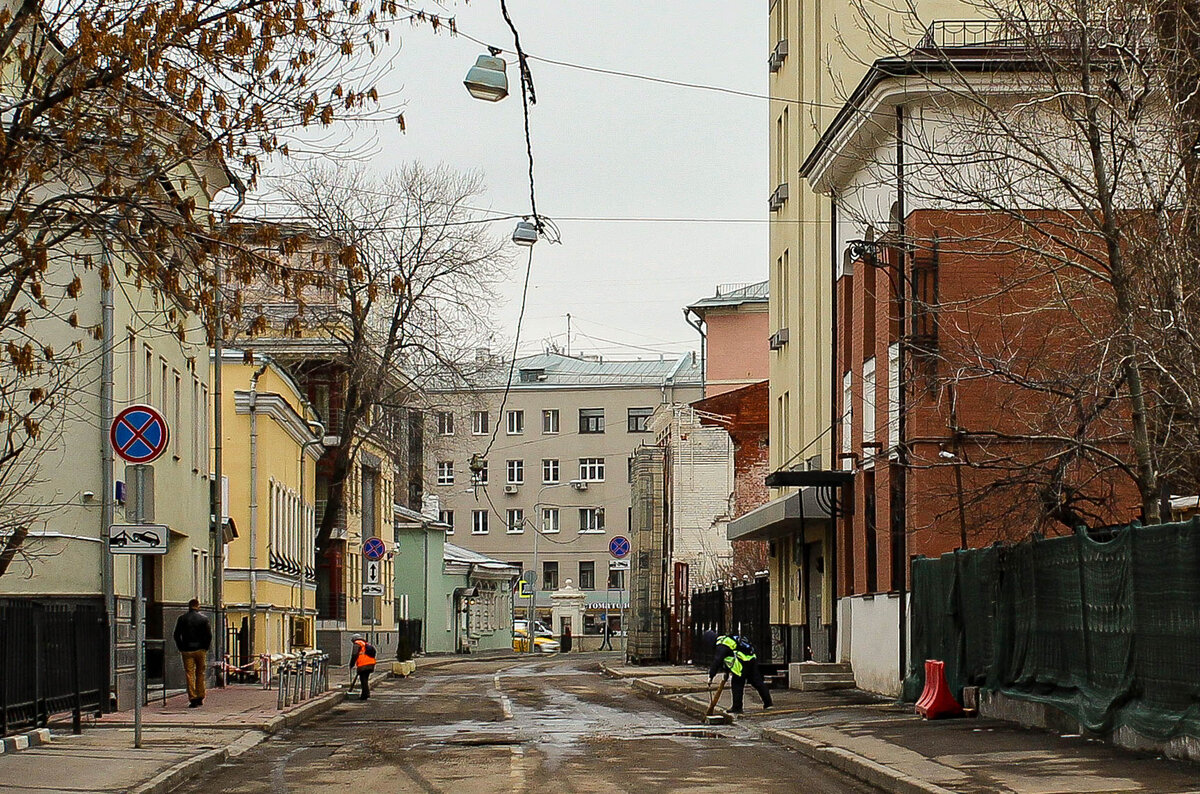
(177, 742)
(890, 747)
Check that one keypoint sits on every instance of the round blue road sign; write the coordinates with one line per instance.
(139, 434)
(374, 549)
(619, 546)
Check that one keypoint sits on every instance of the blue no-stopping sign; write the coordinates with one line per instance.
(619, 546)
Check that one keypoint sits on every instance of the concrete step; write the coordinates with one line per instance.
(819, 686)
(832, 678)
(815, 676)
(821, 667)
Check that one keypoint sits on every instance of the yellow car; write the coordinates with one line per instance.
(540, 644)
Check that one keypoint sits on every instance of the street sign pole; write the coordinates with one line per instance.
(139, 610)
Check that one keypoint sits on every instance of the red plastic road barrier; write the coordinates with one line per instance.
(936, 701)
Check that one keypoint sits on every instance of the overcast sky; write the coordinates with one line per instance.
(607, 147)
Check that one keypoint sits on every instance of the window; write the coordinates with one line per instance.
(549, 520)
(199, 443)
(591, 420)
(847, 401)
(516, 423)
(550, 470)
(133, 368)
(616, 580)
(549, 576)
(176, 412)
(515, 521)
(479, 522)
(629, 469)
(868, 402)
(447, 517)
(445, 472)
(163, 394)
(445, 421)
(893, 397)
(591, 519)
(516, 472)
(147, 392)
(587, 575)
(591, 469)
(639, 419)
(480, 477)
(479, 423)
(550, 421)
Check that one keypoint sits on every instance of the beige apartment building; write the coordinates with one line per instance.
(540, 477)
(817, 52)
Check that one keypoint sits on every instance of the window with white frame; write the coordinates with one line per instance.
(480, 477)
(445, 421)
(516, 472)
(893, 398)
(550, 421)
(549, 520)
(479, 423)
(868, 402)
(847, 416)
(591, 469)
(549, 470)
(515, 519)
(639, 419)
(591, 519)
(591, 420)
(445, 472)
(516, 422)
(447, 517)
(479, 522)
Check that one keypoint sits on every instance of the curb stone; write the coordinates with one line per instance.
(853, 764)
(23, 741)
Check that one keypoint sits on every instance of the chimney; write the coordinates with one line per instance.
(482, 355)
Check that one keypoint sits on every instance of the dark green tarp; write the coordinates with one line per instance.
(1106, 630)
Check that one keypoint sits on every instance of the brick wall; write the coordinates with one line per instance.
(994, 310)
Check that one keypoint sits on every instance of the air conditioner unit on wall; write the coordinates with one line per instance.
(510, 489)
(579, 485)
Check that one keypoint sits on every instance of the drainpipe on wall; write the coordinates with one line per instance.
(254, 505)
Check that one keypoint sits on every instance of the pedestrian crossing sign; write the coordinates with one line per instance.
(524, 590)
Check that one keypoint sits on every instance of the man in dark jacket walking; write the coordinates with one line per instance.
(736, 655)
(193, 638)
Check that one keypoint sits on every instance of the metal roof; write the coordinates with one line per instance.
(735, 295)
(456, 555)
(556, 370)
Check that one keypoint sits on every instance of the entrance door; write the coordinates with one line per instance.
(818, 632)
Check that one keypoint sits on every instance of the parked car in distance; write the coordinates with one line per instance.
(540, 629)
(541, 644)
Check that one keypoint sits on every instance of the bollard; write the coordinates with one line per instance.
(282, 676)
(936, 701)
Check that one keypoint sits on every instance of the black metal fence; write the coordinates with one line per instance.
(53, 659)
(750, 614)
(708, 614)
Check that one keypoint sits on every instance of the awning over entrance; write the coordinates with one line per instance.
(779, 517)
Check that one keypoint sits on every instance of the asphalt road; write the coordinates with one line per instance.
(509, 725)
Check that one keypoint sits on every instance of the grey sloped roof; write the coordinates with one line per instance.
(735, 295)
(555, 369)
(458, 557)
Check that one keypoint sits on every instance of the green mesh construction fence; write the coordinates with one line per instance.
(1105, 630)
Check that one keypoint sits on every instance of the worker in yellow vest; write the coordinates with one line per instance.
(362, 661)
(737, 656)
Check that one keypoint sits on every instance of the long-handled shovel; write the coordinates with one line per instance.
(708, 715)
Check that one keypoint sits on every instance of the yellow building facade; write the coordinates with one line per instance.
(272, 441)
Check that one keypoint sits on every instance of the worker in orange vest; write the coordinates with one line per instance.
(362, 661)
